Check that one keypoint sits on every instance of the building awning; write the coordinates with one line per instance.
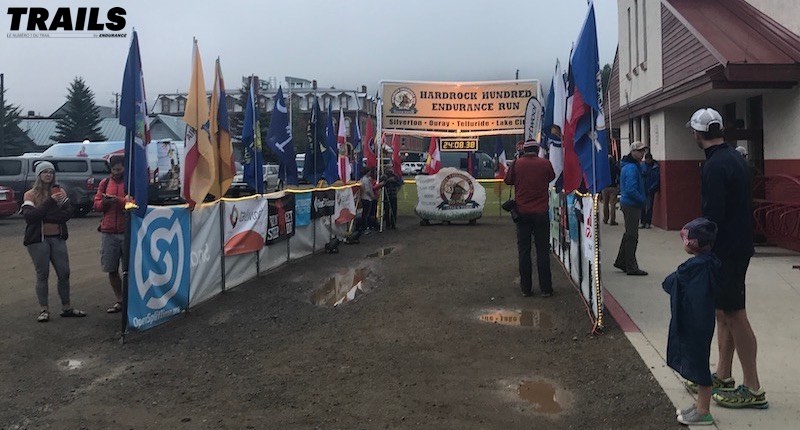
(750, 45)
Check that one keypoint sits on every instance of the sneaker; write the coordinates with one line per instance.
(694, 418)
(686, 411)
(717, 384)
(44, 316)
(527, 294)
(741, 397)
(637, 272)
(613, 223)
(546, 294)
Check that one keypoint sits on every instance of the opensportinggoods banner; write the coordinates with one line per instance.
(280, 221)
(449, 195)
(245, 225)
(160, 264)
(453, 109)
(206, 279)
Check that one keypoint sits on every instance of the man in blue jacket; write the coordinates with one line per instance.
(633, 199)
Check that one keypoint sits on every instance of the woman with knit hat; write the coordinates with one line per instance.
(47, 208)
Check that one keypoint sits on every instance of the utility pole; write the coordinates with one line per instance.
(116, 105)
(517, 77)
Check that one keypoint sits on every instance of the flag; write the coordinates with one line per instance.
(500, 153)
(369, 148)
(396, 161)
(133, 116)
(556, 107)
(221, 136)
(434, 161)
(253, 163)
(314, 163)
(331, 173)
(571, 170)
(587, 124)
(357, 151)
(279, 139)
(341, 141)
(200, 169)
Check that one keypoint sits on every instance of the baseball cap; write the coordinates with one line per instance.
(638, 145)
(703, 118)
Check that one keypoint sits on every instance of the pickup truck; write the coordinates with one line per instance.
(79, 176)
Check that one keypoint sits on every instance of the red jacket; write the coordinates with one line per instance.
(113, 217)
(531, 176)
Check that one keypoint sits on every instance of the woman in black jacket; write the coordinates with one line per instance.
(46, 209)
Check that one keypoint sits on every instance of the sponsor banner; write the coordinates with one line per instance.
(322, 203)
(280, 220)
(533, 120)
(588, 228)
(245, 225)
(443, 108)
(573, 218)
(555, 216)
(302, 209)
(450, 194)
(160, 264)
(206, 279)
(345, 208)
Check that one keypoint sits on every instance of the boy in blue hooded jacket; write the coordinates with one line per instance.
(691, 328)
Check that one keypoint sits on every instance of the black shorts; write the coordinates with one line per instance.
(730, 292)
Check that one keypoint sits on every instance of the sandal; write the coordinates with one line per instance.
(44, 316)
(114, 309)
(72, 313)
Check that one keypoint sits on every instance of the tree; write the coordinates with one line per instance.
(81, 119)
(14, 140)
(605, 76)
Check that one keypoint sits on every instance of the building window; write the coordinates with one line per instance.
(636, 23)
(343, 104)
(165, 105)
(229, 103)
(181, 104)
(644, 34)
(630, 48)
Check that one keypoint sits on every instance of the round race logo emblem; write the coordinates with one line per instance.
(456, 190)
(404, 101)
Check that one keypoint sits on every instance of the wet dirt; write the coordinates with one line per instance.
(541, 394)
(383, 252)
(408, 352)
(535, 318)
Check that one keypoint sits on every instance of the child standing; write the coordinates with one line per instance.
(691, 328)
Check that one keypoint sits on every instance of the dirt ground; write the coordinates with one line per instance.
(410, 351)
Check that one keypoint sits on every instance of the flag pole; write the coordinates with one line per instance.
(379, 148)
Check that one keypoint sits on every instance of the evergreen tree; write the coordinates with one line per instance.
(81, 119)
(14, 140)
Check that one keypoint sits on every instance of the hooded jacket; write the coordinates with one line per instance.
(631, 183)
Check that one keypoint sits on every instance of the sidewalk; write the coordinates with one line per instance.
(773, 304)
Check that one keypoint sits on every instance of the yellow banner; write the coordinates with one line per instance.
(441, 108)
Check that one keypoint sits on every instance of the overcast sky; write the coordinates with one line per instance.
(345, 43)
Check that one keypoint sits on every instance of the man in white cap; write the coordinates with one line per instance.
(726, 197)
(631, 185)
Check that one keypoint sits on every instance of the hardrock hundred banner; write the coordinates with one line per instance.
(452, 109)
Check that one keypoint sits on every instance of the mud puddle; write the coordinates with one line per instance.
(543, 395)
(343, 287)
(535, 318)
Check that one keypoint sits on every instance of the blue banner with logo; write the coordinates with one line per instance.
(302, 209)
(160, 263)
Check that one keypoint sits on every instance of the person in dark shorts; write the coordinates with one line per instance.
(726, 200)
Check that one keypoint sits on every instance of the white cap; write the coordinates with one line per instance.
(742, 150)
(704, 118)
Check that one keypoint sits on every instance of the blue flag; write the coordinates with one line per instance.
(133, 116)
(331, 153)
(279, 139)
(591, 135)
(253, 162)
(314, 164)
(547, 122)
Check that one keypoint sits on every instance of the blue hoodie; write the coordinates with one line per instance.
(631, 183)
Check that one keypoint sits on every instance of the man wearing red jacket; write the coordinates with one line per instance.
(110, 200)
(531, 176)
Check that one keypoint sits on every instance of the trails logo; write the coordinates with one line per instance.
(65, 22)
(456, 192)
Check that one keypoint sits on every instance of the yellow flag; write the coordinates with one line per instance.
(200, 171)
(221, 136)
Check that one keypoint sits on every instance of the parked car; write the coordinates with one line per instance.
(412, 167)
(483, 165)
(8, 204)
(240, 188)
(79, 176)
(164, 159)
